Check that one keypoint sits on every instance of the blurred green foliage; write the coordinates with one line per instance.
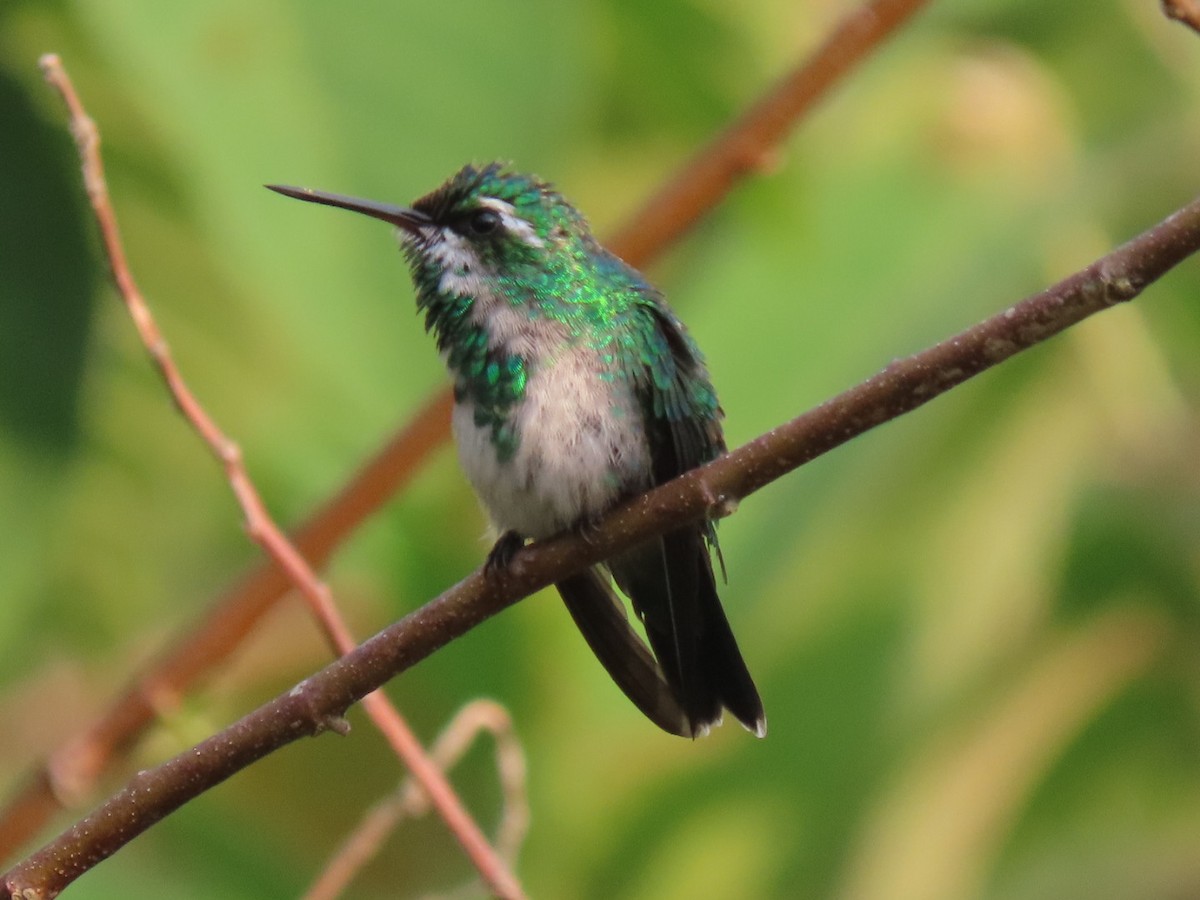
(975, 629)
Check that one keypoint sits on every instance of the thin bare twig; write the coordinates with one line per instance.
(902, 387)
(71, 771)
(259, 524)
(407, 801)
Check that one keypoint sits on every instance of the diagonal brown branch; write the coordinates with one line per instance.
(259, 524)
(751, 142)
(1185, 11)
(71, 771)
(902, 387)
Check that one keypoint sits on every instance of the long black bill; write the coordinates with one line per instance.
(404, 217)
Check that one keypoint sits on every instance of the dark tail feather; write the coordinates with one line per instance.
(673, 589)
(600, 616)
(723, 666)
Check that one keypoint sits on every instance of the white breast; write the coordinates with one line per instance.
(582, 446)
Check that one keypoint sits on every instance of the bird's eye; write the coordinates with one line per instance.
(485, 221)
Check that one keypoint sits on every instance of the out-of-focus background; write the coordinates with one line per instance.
(975, 629)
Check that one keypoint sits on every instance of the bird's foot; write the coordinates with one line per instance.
(588, 527)
(502, 552)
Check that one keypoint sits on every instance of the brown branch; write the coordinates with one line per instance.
(902, 387)
(259, 525)
(380, 820)
(751, 143)
(71, 771)
(1185, 11)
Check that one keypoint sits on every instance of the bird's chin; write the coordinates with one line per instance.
(406, 238)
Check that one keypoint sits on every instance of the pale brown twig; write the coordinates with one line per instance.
(361, 846)
(259, 524)
(902, 387)
(72, 770)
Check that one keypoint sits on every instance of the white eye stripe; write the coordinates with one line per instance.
(452, 252)
(512, 223)
(461, 270)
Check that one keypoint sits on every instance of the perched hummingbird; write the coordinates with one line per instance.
(576, 387)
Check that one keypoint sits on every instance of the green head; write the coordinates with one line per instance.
(506, 271)
(486, 228)
(508, 274)
(502, 217)
(491, 240)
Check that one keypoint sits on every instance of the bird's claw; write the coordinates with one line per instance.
(588, 528)
(502, 552)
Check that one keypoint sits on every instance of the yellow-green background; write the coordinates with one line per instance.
(975, 629)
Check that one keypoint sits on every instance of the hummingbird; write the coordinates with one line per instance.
(576, 387)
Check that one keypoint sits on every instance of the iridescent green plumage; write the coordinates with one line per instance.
(577, 387)
(572, 280)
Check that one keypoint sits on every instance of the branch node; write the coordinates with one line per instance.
(1114, 284)
(319, 720)
(1122, 289)
(230, 452)
(339, 725)
(158, 348)
(717, 505)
